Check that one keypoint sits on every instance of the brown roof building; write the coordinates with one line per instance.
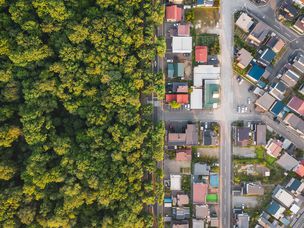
(189, 138)
(274, 147)
(295, 123)
(183, 155)
(259, 33)
(254, 189)
(260, 134)
(244, 57)
(297, 105)
(201, 211)
(265, 102)
(182, 200)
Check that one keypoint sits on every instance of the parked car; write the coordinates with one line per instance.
(239, 79)
(169, 60)
(249, 100)
(251, 88)
(239, 109)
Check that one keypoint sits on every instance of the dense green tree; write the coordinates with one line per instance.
(76, 142)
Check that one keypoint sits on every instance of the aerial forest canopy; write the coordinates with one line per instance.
(77, 145)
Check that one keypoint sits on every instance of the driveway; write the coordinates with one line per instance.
(249, 201)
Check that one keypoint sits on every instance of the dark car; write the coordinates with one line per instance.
(251, 88)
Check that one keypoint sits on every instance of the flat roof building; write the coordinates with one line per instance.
(181, 44)
(244, 22)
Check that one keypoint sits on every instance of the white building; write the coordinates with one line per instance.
(175, 182)
(244, 22)
(182, 44)
(203, 72)
(196, 99)
(285, 198)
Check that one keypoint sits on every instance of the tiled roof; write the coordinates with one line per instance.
(201, 54)
(297, 105)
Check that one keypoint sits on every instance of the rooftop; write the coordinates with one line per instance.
(299, 170)
(183, 30)
(244, 57)
(201, 211)
(174, 13)
(244, 22)
(211, 93)
(296, 104)
(201, 54)
(265, 102)
(183, 155)
(283, 196)
(287, 162)
(261, 134)
(255, 73)
(199, 193)
(295, 122)
(182, 44)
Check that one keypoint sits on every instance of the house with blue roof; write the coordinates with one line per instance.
(275, 209)
(277, 108)
(214, 180)
(267, 57)
(295, 186)
(255, 73)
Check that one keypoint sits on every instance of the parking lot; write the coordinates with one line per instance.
(243, 100)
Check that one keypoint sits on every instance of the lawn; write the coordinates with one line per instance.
(210, 40)
(206, 18)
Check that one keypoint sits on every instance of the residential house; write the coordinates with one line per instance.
(265, 102)
(279, 110)
(278, 90)
(274, 147)
(287, 162)
(254, 189)
(295, 186)
(181, 213)
(297, 105)
(210, 138)
(214, 222)
(198, 223)
(201, 54)
(183, 155)
(199, 193)
(267, 57)
(298, 63)
(189, 138)
(176, 70)
(300, 3)
(196, 99)
(242, 220)
(175, 182)
(179, 98)
(181, 44)
(183, 30)
(290, 78)
(282, 196)
(177, 87)
(201, 169)
(244, 57)
(259, 33)
(275, 43)
(299, 25)
(201, 211)
(295, 123)
(299, 169)
(289, 11)
(244, 22)
(260, 134)
(256, 72)
(242, 136)
(275, 209)
(182, 200)
(174, 13)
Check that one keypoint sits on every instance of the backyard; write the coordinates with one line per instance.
(205, 18)
(209, 40)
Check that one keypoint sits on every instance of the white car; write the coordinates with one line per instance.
(238, 109)
(249, 100)
(169, 60)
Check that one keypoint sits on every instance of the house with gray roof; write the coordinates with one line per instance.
(287, 162)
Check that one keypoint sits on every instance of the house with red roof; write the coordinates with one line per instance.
(299, 170)
(274, 147)
(199, 193)
(201, 54)
(183, 155)
(179, 98)
(173, 13)
(183, 30)
(297, 105)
